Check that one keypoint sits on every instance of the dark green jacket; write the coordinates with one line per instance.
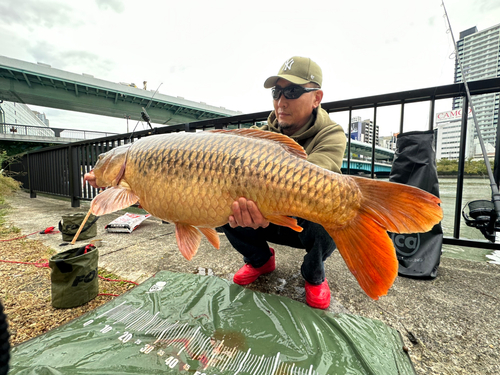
(323, 140)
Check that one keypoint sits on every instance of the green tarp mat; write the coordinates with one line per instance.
(189, 324)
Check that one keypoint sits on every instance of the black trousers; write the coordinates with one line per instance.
(252, 244)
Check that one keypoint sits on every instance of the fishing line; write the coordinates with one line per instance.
(414, 339)
(136, 243)
(488, 218)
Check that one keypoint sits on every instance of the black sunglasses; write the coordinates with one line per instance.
(291, 92)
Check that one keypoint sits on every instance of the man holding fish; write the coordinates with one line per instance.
(256, 183)
(297, 94)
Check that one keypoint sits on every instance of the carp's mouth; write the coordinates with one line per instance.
(91, 179)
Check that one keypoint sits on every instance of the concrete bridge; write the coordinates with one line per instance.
(364, 167)
(40, 84)
(364, 150)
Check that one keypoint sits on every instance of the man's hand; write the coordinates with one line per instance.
(247, 214)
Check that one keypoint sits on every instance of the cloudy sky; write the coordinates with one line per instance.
(221, 51)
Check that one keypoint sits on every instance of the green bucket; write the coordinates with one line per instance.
(70, 224)
(74, 276)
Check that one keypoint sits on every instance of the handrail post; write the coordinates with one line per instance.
(402, 117)
(431, 113)
(349, 142)
(496, 169)
(374, 139)
(32, 192)
(461, 166)
(74, 175)
(188, 129)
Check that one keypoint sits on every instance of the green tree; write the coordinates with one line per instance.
(471, 167)
(447, 166)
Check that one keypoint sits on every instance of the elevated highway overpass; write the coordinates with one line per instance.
(40, 84)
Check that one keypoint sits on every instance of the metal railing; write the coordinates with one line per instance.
(80, 134)
(59, 170)
(34, 131)
(40, 131)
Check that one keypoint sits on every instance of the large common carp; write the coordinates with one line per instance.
(191, 179)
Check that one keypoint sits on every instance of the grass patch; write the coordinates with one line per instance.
(7, 187)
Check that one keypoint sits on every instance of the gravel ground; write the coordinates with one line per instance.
(451, 325)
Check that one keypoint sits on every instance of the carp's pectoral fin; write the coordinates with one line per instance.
(369, 253)
(284, 221)
(188, 239)
(113, 199)
(212, 236)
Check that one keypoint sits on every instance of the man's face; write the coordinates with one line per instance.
(293, 114)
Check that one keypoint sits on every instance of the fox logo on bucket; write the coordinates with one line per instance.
(406, 244)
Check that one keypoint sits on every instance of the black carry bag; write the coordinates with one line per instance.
(74, 276)
(70, 224)
(414, 164)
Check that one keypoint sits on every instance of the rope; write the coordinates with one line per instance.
(45, 231)
(42, 263)
(125, 281)
(18, 238)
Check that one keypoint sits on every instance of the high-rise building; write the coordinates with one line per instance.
(479, 52)
(389, 141)
(449, 128)
(18, 118)
(364, 131)
(42, 117)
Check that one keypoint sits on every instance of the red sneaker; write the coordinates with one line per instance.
(248, 274)
(318, 296)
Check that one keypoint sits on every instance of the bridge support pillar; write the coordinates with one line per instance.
(57, 132)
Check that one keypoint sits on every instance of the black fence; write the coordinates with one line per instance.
(59, 170)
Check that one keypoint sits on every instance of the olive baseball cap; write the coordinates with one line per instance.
(298, 70)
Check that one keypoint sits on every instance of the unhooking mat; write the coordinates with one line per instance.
(190, 324)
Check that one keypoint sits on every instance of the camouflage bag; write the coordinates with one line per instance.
(74, 276)
(70, 224)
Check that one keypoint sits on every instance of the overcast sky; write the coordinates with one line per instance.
(220, 52)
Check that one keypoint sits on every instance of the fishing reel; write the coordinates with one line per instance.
(146, 117)
(481, 214)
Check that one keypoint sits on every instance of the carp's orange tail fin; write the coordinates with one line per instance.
(364, 243)
(369, 253)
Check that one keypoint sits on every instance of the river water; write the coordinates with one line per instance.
(474, 189)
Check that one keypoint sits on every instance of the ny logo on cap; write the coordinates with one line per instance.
(288, 65)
